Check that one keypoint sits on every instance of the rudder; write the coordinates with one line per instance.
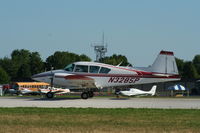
(153, 90)
(165, 63)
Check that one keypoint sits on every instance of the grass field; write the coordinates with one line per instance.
(91, 120)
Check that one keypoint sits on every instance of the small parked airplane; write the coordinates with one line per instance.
(87, 75)
(137, 92)
(54, 90)
(44, 91)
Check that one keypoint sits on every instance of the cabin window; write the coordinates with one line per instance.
(70, 67)
(104, 70)
(94, 69)
(81, 68)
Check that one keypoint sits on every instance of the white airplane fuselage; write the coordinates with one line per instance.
(116, 77)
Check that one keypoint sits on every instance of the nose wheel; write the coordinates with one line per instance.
(50, 95)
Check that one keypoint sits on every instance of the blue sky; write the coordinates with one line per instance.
(138, 29)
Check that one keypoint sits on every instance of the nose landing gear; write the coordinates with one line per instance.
(50, 95)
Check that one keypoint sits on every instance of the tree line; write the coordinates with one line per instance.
(22, 64)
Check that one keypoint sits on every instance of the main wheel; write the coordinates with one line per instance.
(50, 95)
(84, 95)
(91, 93)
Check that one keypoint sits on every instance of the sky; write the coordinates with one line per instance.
(138, 29)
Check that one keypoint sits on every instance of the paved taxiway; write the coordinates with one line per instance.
(179, 103)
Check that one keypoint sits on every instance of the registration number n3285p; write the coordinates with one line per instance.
(123, 79)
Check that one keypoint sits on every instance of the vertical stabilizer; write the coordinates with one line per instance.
(153, 90)
(165, 63)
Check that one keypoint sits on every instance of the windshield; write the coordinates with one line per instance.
(69, 68)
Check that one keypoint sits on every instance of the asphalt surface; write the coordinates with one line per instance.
(164, 103)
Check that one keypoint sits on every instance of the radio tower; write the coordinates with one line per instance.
(100, 49)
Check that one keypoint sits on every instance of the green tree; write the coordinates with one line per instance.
(196, 62)
(10, 67)
(4, 78)
(180, 64)
(189, 71)
(84, 57)
(15, 66)
(115, 60)
(20, 58)
(36, 63)
(61, 59)
(24, 73)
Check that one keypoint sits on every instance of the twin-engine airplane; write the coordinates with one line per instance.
(88, 75)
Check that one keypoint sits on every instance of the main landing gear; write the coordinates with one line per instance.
(50, 94)
(84, 95)
(87, 94)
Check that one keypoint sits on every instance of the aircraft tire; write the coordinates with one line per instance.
(90, 94)
(84, 95)
(50, 95)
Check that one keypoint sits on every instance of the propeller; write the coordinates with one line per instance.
(52, 78)
(50, 94)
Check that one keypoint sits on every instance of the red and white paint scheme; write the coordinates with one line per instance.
(86, 75)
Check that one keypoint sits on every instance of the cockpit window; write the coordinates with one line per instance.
(70, 67)
(104, 70)
(94, 69)
(81, 68)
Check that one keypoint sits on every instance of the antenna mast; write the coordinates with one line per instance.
(100, 49)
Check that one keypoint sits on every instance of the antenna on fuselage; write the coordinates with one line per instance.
(129, 65)
(120, 63)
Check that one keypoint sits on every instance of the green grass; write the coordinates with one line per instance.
(93, 120)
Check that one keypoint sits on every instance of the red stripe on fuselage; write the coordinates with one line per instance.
(77, 77)
(88, 76)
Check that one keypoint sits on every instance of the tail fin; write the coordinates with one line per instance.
(153, 90)
(165, 63)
